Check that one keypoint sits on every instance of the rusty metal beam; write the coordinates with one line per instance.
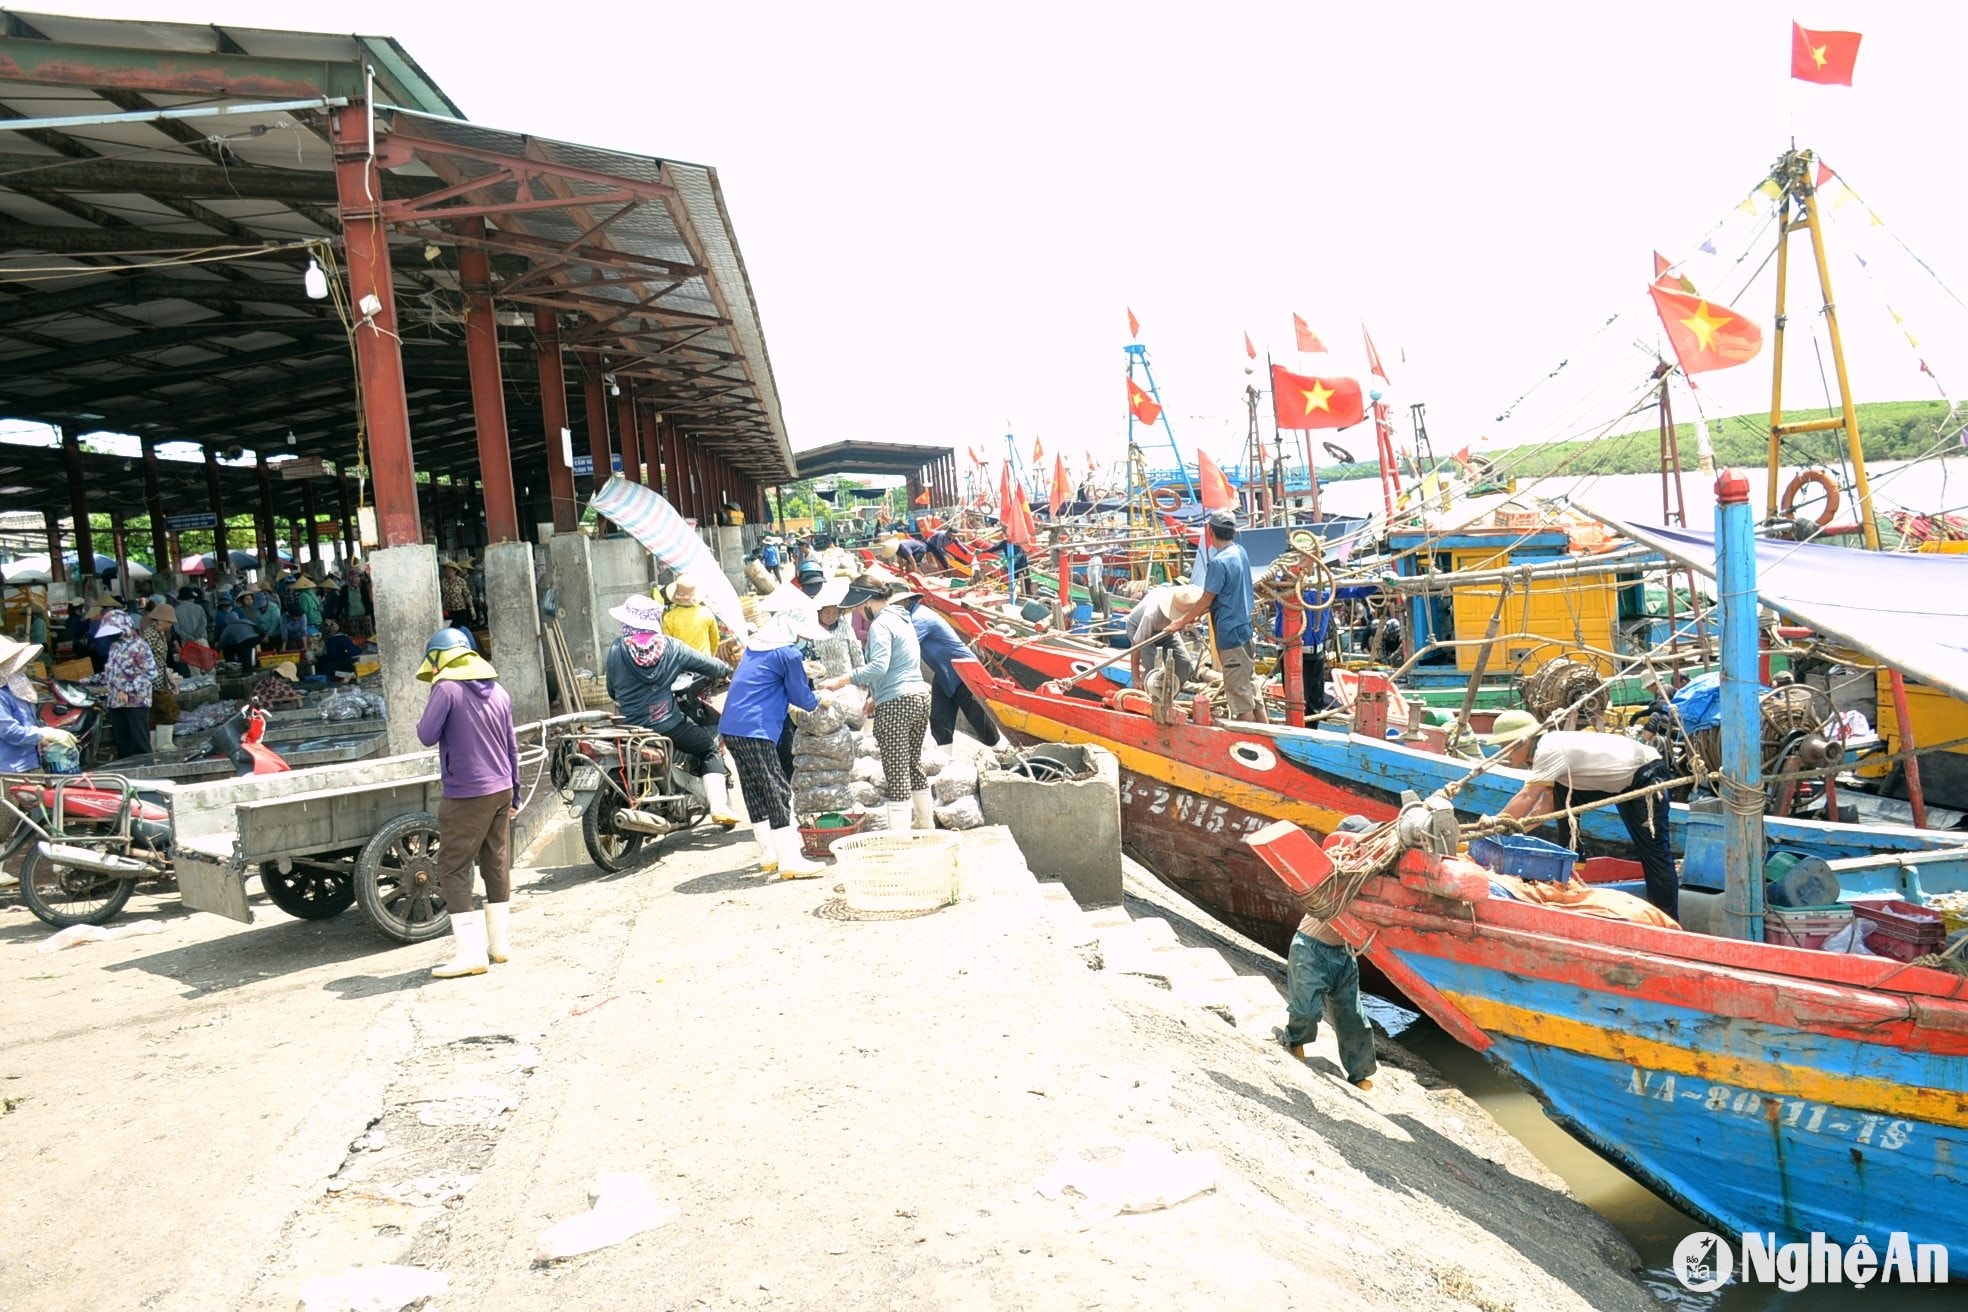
(176, 73)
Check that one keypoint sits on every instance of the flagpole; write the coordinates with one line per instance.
(1137, 351)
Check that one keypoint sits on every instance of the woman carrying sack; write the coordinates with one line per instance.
(159, 623)
(900, 699)
(770, 682)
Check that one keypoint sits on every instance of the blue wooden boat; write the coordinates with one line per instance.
(1761, 1088)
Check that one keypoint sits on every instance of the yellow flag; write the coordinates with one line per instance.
(1771, 189)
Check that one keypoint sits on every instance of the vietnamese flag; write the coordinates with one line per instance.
(1144, 407)
(1026, 533)
(922, 497)
(1213, 489)
(1826, 58)
(1038, 451)
(1298, 401)
(1307, 339)
(1705, 336)
(1679, 282)
(1011, 516)
(1062, 487)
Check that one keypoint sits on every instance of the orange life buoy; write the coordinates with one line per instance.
(1165, 499)
(1804, 479)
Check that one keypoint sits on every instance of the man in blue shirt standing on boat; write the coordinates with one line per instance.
(1227, 599)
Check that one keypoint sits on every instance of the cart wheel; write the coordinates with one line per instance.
(63, 895)
(613, 849)
(308, 894)
(396, 880)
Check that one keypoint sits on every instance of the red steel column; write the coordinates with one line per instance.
(488, 387)
(269, 530)
(311, 509)
(626, 434)
(78, 504)
(596, 393)
(57, 571)
(378, 349)
(221, 543)
(116, 538)
(553, 418)
(348, 519)
(160, 542)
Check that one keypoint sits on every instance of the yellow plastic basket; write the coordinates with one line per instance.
(913, 870)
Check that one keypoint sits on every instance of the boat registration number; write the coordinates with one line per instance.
(1795, 1113)
(1186, 808)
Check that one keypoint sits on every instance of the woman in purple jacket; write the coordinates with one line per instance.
(469, 719)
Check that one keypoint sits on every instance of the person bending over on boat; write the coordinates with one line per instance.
(1320, 972)
(948, 696)
(1151, 618)
(1572, 768)
(938, 546)
(1227, 600)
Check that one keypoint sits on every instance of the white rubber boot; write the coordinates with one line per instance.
(163, 738)
(793, 862)
(718, 797)
(923, 809)
(768, 860)
(901, 817)
(468, 930)
(497, 946)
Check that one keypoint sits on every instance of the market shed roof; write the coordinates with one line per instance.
(152, 274)
(894, 459)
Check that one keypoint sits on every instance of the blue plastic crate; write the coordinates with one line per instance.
(1525, 857)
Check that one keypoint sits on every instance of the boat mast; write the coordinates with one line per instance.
(1797, 210)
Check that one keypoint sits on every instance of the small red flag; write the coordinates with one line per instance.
(1212, 488)
(1062, 489)
(1825, 58)
(1373, 358)
(1011, 512)
(1144, 407)
(1038, 451)
(1134, 324)
(1676, 282)
(1307, 339)
(1091, 467)
(1249, 350)
(922, 497)
(1299, 401)
(1824, 175)
(1027, 532)
(1705, 336)
(976, 459)
(1462, 457)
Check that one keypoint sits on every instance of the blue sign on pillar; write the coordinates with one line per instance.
(584, 465)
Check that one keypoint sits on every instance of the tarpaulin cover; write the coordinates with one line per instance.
(654, 522)
(1905, 610)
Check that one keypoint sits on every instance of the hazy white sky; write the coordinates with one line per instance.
(945, 210)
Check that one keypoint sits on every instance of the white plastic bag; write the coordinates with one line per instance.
(373, 1289)
(957, 780)
(623, 1208)
(1851, 940)
(964, 813)
(1148, 1177)
(76, 935)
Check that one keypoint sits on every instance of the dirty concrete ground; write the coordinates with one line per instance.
(844, 1113)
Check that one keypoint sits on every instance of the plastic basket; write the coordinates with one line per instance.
(1901, 930)
(913, 870)
(817, 840)
(1804, 927)
(1525, 857)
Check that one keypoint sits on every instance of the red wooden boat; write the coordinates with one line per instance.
(1030, 662)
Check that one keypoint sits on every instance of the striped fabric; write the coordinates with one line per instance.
(653, 521)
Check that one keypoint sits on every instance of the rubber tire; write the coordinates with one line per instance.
(413, 836)
(592, 836)
(31, 862)
(309, 896)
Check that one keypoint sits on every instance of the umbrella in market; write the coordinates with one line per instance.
(34, 569)
(203, 564)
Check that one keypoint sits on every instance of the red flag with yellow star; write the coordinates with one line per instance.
(1212, 488)
(1705, 336)
(1826, 58)
(1145, 409)
(1062, 487)
(1307, 339)
(1299, 401)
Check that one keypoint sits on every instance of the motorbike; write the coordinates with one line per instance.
(71, 706)
(641, 786)
(89, 839)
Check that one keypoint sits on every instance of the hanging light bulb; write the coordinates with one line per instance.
(315, 281)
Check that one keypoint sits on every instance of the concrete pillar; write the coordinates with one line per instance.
(514, 611)
(621, 569)
(404, 584)
(573, 569)
(731, 555)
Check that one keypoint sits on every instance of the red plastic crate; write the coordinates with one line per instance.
(1902, 930)
(1804, 927)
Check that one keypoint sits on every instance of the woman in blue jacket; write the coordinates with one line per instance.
(894, 681)
(771, 680)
